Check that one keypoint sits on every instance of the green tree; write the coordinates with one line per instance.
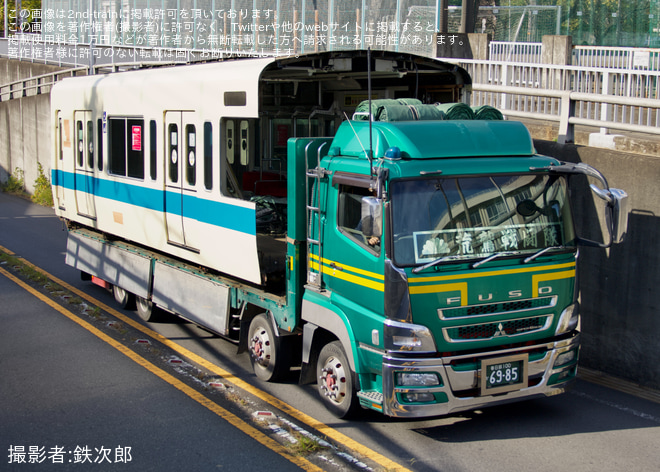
(28, 6)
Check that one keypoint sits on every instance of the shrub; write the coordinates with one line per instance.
(15, 183)
(43, 192)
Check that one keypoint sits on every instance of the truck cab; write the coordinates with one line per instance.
(445, 266)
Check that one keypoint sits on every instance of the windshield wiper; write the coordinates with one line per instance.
(417, 270)
(540, 253)
(489, 258)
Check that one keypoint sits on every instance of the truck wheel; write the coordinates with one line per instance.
(336, 381)
(268, 357)
(146, 309)
(125, 299)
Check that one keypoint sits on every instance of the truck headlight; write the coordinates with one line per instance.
(569, 319)
(416, 379)
(407, 337)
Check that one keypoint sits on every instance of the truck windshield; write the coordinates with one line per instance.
(473, 218)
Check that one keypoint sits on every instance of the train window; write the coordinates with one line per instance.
(153, 150)
(80, 144)
(90, 144)
(191, 154)
(135, 148)
(99, 143)
(173, 146)
(208, 155)
(126, 147)
(117, 146)
(235, 99)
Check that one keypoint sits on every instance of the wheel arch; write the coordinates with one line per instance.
(322, 326)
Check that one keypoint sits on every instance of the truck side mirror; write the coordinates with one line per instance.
(616, 212)
(372, 217)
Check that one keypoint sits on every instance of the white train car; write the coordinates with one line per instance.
(171, 158)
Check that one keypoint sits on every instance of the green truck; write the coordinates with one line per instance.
(419, 262)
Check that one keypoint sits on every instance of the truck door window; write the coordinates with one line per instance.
(355, 220)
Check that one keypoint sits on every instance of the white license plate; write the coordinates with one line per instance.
(504, 374)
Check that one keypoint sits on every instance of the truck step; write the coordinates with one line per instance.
(372, 396)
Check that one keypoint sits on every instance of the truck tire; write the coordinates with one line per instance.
(146, 309)
(125, 299)
(336, 382)
(268, 355)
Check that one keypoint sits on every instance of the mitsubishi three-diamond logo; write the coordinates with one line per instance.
(500, 331)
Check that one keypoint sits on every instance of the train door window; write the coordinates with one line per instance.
(99, 146)
(153, 173)
(80, 143)
(90, 144)
(59, 139)
(135, 154)
(229, 141)
(173, 151)
(117, 146)
(208, 155)
(191, 154)
(245, 150)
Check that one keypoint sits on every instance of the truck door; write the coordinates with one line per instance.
(84, 163)
(180, 174)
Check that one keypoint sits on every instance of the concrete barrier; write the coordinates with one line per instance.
(619, 286)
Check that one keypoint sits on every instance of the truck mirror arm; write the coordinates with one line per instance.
(616, 211)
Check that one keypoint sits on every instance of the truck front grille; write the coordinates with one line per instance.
(484, 331)
(497, 308)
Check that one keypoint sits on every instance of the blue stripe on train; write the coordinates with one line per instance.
(206, 211)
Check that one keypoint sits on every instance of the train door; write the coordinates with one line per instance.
(84, 163)
(180, 175)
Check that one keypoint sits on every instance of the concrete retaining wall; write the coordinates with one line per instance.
(24, 125)
(25, 131)
(619, 286)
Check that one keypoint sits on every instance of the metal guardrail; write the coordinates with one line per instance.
(607, 98)
(36, 85)
(560, 106)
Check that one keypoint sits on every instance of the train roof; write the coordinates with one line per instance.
(338, 70)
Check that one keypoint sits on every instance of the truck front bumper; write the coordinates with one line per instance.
(551, 369)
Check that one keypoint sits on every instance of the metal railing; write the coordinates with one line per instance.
(608, 98)
(36, 85)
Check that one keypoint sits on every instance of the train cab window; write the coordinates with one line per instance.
(191, 155)
(208, 155)
(173, 148)
(126, 147)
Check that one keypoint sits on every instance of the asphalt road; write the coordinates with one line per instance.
(63, 387)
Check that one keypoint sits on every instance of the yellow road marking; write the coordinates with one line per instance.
(189, 391)
(275, 402)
